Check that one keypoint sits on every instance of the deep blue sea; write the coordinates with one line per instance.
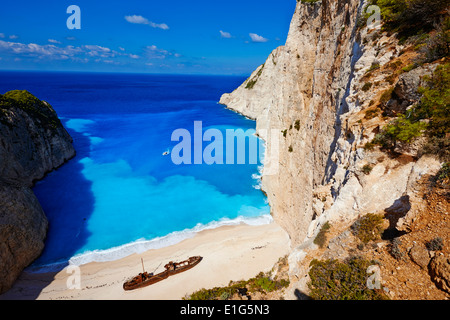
(121, 194)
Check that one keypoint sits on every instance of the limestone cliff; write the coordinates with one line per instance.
(330, 92)
(311, 91)
(33, 142)
(299, 91)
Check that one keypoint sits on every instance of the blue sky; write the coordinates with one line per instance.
(193, 37)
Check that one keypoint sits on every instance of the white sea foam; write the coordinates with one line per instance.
(79, 125)
(143, 245)
(258, 178)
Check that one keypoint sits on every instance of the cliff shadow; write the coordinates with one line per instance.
(68, 201)
(300, 295)
(397, 210)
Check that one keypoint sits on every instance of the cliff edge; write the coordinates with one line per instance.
(33, 142)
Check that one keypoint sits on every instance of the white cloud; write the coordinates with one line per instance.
(136, 19)
(153, 52)
(257, 38)
(141, 20)
(224, 34)
(13, 36)
(54, 41)
(53, 52)
(35, 50)
(2, 35)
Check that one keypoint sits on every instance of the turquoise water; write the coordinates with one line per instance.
(122, 193)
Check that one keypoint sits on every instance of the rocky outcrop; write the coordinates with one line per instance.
(408, 82)
(419, 255)
(405, 91)
(33, 142)
(440, 272)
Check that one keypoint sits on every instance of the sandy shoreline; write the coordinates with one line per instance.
(229, 253)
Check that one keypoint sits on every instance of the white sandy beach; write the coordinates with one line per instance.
(229, 253)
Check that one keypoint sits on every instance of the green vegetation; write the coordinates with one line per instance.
(410, 17)
(366, 86)
(334, 280)
(436, 45)
(430, 117)
(297, 125)
(368, 228)
(371, 113)
(373, 66)
(395, 249)
(290, 149)
(35, 108)
(435, 244)
(386, 96)
(410, 67)
(261, 283)
(435, 102)
(403, 129)
(321, 237)
(443, 176)
(22, 98)
(369, 146)
(308, 1)
(251, 82)
(423, 23)
(367, 169)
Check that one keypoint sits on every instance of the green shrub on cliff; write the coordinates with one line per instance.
(436, 45)
(403, 129)
(443, 176)
(347, 280)
(22, 98)
(38, 110)
(435, 102)
(368, 228)
(431, 116)
(435, 108)
(409, 17)
(308, 1)
(261, 283)
(251, 82)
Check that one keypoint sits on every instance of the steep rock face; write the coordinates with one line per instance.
(23, 228)
(33, 142)
(32, 139)
(330, 91)
(298, 93)
(440, 272)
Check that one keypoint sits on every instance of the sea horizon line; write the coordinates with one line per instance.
(125, 73)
